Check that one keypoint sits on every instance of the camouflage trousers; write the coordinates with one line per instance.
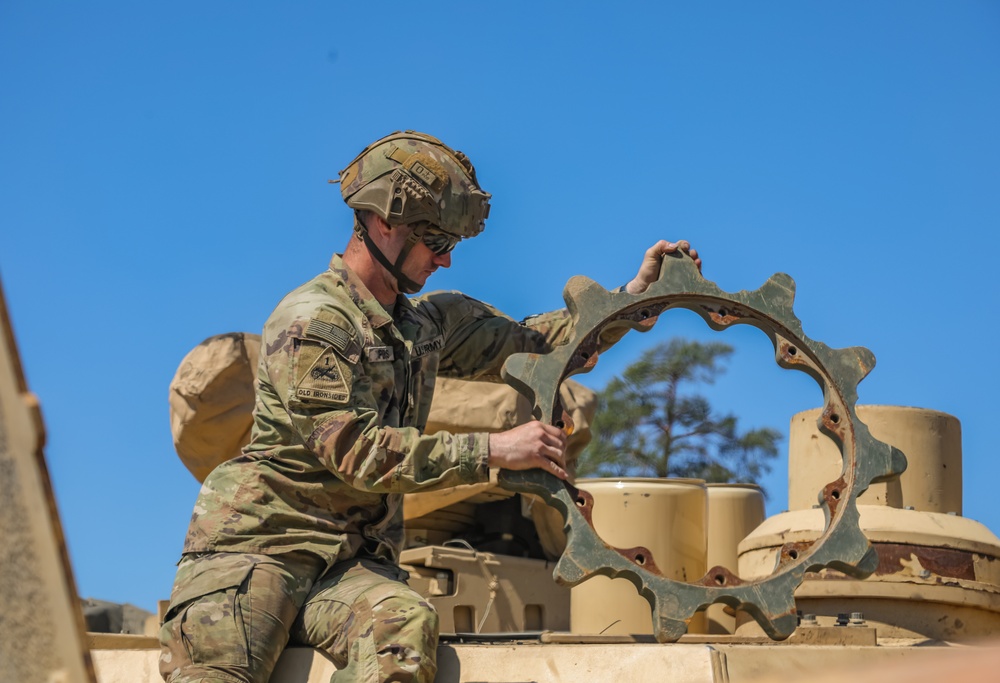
(231, 615)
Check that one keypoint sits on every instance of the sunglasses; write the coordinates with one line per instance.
(439, 242)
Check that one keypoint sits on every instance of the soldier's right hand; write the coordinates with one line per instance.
(530, 446)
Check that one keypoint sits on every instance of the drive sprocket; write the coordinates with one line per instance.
(770, 600)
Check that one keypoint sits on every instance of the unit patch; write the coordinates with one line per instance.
(320, 374)
(429, 346)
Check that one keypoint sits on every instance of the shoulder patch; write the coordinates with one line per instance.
(320, 376)
(342, 338)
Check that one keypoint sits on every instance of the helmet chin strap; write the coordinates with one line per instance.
(406, 285)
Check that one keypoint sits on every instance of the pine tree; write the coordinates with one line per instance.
(647, 424)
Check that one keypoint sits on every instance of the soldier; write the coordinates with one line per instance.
(297, 539)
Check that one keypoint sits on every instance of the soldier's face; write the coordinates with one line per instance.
(421, 262)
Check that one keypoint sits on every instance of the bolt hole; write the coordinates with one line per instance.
(560, 424)
(723, 312)
(644, 314)
(584, 355)
(835, 419)
(835, 494)
(640, 559)
(581, 502)
(720, 579)
(792, 351)
(794, 554)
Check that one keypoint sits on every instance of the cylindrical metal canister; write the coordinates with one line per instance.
(734, 510)
(931, 441)
(668, 517)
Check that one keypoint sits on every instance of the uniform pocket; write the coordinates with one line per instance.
(207, 609)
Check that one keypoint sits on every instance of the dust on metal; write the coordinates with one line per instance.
(769, 600)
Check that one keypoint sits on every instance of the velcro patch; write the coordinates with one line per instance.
(380, 354)
(429, 346)
(320, 375)
(427, 170)
(329, 332)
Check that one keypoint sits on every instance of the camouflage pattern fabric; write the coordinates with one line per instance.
(388, 633)
(343, 394)
(232, 614)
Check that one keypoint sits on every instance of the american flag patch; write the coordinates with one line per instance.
(329, 333)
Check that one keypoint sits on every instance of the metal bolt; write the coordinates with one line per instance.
(843, 619)
(808, 620)
(909, 507)
(857, 619)
(924, 574)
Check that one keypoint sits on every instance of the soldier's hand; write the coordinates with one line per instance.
(649, 271)
(530, 446)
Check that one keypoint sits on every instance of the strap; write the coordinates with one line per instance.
(406, 285)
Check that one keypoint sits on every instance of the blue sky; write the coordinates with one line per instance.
(163, 175)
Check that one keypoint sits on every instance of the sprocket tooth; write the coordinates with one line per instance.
(855, 362)
(582, 294)
(897, 462)
(883, 460)
(778, 291)
(862, 568)
(781, 627)
(568, 571)
(668, 629)
(518, 371)
(536, 482)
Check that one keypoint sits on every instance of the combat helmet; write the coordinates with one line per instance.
(415, 179)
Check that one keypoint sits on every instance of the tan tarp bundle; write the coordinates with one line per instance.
(211, 406)
(211, 401)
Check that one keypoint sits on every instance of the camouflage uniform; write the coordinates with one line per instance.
(310, 514)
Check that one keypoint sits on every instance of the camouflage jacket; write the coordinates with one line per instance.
(343, 393)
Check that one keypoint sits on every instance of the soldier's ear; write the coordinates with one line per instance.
(378, 224)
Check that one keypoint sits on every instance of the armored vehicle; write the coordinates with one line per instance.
(872, 572)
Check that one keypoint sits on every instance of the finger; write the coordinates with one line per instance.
(551, 452)
(553, 467)
(658, 249)
(554, 436)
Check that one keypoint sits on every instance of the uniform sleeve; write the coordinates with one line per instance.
(318, 387)
(478, 338)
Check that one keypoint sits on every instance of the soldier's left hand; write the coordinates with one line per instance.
(649, 271)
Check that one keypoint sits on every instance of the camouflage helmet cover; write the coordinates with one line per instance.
(411, 177)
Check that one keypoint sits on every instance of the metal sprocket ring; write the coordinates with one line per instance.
(769, 600)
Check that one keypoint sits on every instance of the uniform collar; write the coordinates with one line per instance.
(360, 294)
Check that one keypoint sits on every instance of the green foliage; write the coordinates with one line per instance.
(647, 426)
